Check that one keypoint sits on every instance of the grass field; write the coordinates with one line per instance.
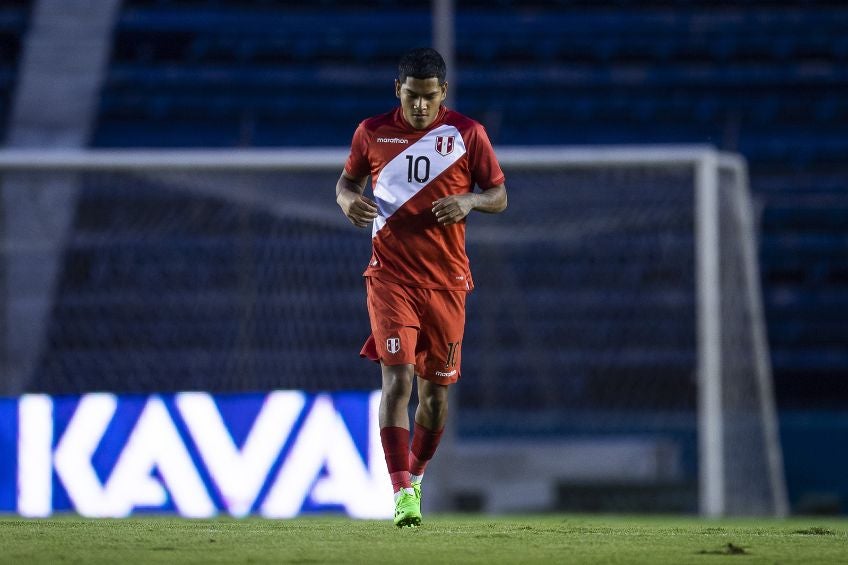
(547, 538)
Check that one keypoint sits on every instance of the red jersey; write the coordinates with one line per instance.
(410, 169)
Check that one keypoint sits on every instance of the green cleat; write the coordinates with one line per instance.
(417, 488)
(407, 510)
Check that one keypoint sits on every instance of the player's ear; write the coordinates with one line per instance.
(397, 88)
(444, 90)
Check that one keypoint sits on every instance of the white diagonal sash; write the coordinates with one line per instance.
(395, 186)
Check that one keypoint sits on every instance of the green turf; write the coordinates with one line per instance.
(442, 539)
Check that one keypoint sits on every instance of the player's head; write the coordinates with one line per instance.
(423, 63)
(421, 86)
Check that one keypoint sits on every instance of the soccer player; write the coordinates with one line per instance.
(424, 161)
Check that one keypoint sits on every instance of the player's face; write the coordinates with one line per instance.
(420, 99)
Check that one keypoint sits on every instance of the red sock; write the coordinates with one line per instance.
(396, 448)
(424, 444)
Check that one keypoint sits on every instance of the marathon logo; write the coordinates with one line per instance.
(392, 140)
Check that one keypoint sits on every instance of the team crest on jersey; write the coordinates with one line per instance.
(393, 345)
(444, 144)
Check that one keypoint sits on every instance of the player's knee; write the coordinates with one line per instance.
(396, 392)
(397, 383)
(434, 405)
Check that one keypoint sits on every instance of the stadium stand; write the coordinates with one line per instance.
(746, 77)
(14, 15)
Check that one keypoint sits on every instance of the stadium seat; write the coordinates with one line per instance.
(14, 16)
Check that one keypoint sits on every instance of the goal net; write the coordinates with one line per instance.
(617, 295)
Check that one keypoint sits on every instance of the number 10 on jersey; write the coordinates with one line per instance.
(418, 168)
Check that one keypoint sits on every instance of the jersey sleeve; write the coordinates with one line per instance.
(357, 164)
(485, 169)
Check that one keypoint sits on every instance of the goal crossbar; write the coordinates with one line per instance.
(294, 159)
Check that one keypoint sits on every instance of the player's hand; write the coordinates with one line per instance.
(359, 209)
(452, 209)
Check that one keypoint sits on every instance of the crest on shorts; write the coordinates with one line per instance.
(393, 345)
(444, 144)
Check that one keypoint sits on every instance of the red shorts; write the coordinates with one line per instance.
(416, 326)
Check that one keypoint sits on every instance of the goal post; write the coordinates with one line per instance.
(719, 494)
(621, 287)
(725, 241)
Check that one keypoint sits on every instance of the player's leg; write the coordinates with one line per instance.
(430, 418)
(394, 329)
(394, 422)
(395, 395)
(432, 410)
(439, 365)
(394, 435)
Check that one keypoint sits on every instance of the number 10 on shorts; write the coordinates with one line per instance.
(453, 347)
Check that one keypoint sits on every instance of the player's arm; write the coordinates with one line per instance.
(452, 209)
(358, 208)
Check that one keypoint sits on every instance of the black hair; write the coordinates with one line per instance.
(422, 62)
